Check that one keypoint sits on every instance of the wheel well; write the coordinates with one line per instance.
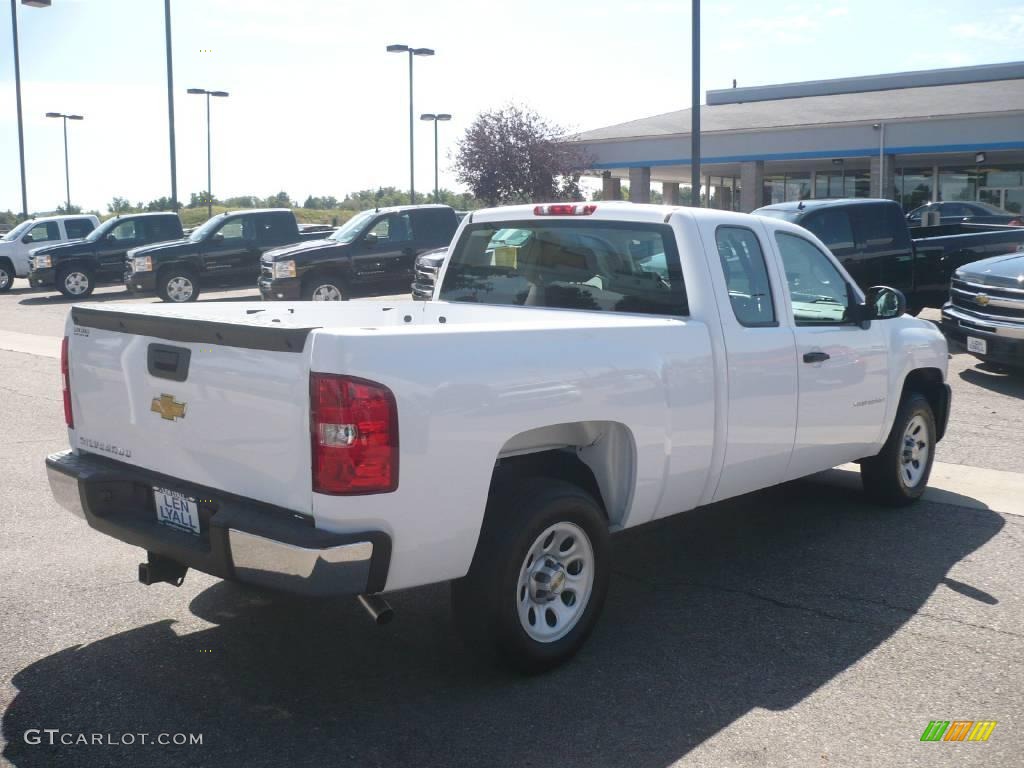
(187, 265)
(597, 456)
(4, 261)
(321, 273)
(72, 264)
(928, 382)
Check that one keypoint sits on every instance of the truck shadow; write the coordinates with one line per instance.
(756, 602)
(1003, 381)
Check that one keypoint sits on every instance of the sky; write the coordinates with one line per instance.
(317, 107)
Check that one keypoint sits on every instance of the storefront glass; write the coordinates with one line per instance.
(913, 187)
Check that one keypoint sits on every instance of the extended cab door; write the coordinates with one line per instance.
(884, 243)
(760, 355)
(842, 366)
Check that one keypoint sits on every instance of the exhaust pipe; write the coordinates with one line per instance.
(378, 608)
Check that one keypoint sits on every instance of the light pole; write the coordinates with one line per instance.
(170, 105)
(17, 93)
(434, 119)
(67, 174)
(209, 174)
(398, 48)
(695, 109)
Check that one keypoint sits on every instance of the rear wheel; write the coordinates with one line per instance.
(75, 281)
(899, 474)
(324, 289)
(177, 285)
(6, 276)
(539, 577)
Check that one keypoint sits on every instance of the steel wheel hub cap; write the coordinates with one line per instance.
(914, 457)
(76, 283)
(4, 278)
(555, 582)
(326, 293)
(179, 289)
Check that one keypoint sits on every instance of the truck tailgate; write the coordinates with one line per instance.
(216, 401)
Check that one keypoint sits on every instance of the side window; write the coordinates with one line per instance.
(396, 228)
(162, 229)
(123, 231)
(874, 227)
(77, 228)
(274, 228)
(48, 230)
(817, 289)
(235, 229)
(832, 227)
(746, 276)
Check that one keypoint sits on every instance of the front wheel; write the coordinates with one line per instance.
(539, 577)
(898, 475)
(178, 285)
(6, 276)
(324, 289)
(75, 282)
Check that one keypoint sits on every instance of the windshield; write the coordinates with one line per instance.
(350, 230)
(19, 230)
(101, 231)
(201, 233)
(597, 266)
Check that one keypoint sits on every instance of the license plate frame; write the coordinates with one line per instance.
(977, 346)
(177, 510)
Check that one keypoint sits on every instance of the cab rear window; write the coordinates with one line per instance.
(597, 266)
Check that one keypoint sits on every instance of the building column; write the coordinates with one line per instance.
(885, 189)
(670, 192)
(611, 188)
(640, 185)
(751, 185)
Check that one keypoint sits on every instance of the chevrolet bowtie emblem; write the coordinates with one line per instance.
(168, 407)
(982, 299)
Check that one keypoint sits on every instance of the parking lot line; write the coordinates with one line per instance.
(30, 343)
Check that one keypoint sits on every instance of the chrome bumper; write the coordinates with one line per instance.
(239, 538)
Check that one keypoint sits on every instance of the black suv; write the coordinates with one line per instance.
(375, 251)
(76, 268)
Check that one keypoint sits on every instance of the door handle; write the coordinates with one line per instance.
(815, 357)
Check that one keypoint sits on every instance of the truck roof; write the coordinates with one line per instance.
(398, 208)
(143, 213)
(614, 210)
(808, 205)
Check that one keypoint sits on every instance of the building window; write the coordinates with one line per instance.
(914, 187)
(847, 183)
(958, 184)
(725, 193)
(780, 188)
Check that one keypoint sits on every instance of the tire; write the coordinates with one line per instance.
(177, 285)
(898, 475)
(75, 282)
(326, 288)
(6, 276)
(508, 584)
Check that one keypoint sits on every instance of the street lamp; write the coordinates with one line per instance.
(398, 48)
(17, 92)
(435, 118)
(67, 175)
(209, 182)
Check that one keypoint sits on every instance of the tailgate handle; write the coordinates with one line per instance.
(166, 362)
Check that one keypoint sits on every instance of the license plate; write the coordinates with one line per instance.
(176, 510)
(978, 346)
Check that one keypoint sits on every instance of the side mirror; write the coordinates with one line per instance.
(111, 238)
(217, 237)
(28, 239)
(885, 303)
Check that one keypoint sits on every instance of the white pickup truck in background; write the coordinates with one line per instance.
(618, 364)
(17, 245)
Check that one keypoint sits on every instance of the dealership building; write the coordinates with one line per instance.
(914, 137)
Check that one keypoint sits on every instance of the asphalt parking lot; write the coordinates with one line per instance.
(796, 626)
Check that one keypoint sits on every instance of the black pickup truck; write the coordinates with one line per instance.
(76, 268)
(985, 311)
(373, 252)
(226, 248)
(874, 244)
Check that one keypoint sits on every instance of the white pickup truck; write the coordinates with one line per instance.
(17, 245)
(617, 364)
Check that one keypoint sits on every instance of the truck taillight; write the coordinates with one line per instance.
(354, 434)
(65, 380)
(564, 209)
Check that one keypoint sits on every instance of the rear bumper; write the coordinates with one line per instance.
(1005, 340)
(280, 289)
(240, 539)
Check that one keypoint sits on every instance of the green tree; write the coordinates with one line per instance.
(120, 205)
(63, 208)
(280, 200)
(514, 155)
